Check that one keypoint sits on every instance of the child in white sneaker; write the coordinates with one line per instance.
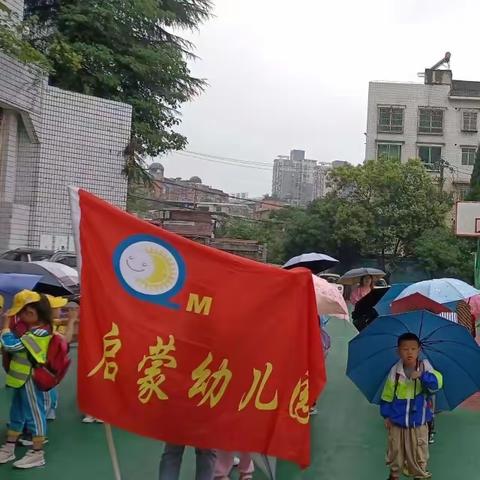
(24, 350)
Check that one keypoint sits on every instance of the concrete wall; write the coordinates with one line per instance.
(412, 96)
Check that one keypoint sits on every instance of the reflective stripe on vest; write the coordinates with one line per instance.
(37, 346)
(20, 365)
(19, 371)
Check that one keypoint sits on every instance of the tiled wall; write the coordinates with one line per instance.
(50, 139)
(82, 143)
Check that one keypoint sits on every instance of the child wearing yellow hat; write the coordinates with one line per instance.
(28, 404)
(51, 397)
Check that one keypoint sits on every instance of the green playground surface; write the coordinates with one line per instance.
(348, 438)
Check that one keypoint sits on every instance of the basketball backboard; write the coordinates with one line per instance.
(467, 219)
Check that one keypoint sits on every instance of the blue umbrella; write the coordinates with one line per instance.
(441, 290)
(383, 306)
(12, 283)
(449, 347)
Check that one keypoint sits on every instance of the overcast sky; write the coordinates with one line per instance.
(294, 74)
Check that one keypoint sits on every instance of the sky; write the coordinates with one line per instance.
(286, 75)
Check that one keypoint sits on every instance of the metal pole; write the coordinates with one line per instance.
(477, 265)
(442, 177)
(113, 452)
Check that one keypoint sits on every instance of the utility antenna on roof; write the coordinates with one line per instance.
(444, 61)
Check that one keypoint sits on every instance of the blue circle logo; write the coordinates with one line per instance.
(150, 269)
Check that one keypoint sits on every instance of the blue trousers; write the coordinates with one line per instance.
(172, 461)
(28, 410)
(51, 400)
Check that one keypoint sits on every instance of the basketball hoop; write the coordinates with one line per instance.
(467, 224)
(467, 219)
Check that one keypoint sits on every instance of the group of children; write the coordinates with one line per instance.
(406, 406)
(34, 319)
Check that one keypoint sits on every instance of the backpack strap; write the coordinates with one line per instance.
(397, 378)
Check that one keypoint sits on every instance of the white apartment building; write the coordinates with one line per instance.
(323, 184)
(435, 121)
(294, 178)
(298, 180)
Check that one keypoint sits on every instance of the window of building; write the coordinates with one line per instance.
(430, 156)
(391, 151)
(468, 155)
(469, 121)
(390, 120)
(430, 121)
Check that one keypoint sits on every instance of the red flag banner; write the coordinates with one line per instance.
(191, 345)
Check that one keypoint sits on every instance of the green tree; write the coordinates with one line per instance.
(331, 226)
(445, 255)
(401, 198)
(474, 193)
(379, 208)
(13, 41)
(138, 201)
(271, 232)
(124, 50)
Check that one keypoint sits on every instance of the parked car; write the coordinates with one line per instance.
(67, 258)
(38, 255)
(332, 278)
(381, 283)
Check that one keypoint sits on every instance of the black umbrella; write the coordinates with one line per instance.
(316, 262)
(353, 276)
(364, 313)
(48, 283)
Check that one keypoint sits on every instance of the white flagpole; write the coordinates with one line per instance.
(113, 452)
(76, 216)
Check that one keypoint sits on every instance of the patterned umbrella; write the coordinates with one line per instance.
(441, 290)
(329, 299)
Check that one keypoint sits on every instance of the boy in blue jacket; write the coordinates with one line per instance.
(406, 409)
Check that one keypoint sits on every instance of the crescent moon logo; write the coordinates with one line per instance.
(150, 269)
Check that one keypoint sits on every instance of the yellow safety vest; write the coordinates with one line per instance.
(20, 365)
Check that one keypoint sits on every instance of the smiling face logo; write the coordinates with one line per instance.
(150, 269)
